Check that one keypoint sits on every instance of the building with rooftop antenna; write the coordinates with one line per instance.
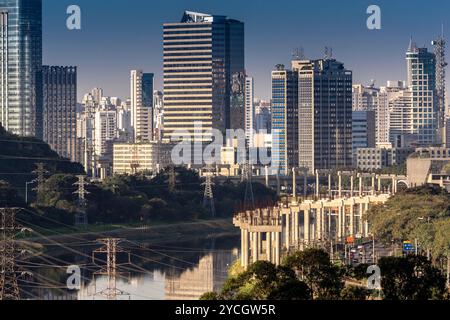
(202, 52)
(421, 67)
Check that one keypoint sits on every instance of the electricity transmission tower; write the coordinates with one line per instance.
(81, 216)
(40, 179)
(9, 289)
(111, 249)
(208, 198)
(439, 50)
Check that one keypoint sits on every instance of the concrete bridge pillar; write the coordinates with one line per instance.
(269, 246)
(306, 226)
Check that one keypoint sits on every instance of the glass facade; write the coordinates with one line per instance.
(201, 53)
(284, 119)
(422, 81)
(21, 62)
(60, 103)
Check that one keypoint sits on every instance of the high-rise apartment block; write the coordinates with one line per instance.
(201, 54)
(249, 110)
(20, 69)
(142, 105)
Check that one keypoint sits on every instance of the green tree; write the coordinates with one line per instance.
(411, 278)
(263, 281)
(313, 267)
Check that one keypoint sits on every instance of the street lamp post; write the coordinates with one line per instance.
(26, 189)
(428, 219)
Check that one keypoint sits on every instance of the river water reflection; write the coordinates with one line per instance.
(168, 271)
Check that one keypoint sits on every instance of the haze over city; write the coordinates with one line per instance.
(115, 38)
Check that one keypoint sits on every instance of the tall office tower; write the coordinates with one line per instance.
(201, 53)
(441, 64)
(249, 111)
(325, 114)
(421, 66)
(387, 94)
(142, 105)
(21, 64)
(365, 97)
(60, 103)
(284, 119)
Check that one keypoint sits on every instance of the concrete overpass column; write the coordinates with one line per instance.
(373, 185)
(269, 246)
(339, 225)
(340, 184)
(366, 224)
(306, 226)
(379, 184)
(317, 183)
(288, 229)
(330, 193)
(361, 187)
(294, 184)
(344, 220)
(277, 248)
(352, 219)
(352, 185)
(255, 247)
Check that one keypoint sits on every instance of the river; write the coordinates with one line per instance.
(164, 271)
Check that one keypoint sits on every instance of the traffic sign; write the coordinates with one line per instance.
(408, 246)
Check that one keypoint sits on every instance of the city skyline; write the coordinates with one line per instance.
(124, 49)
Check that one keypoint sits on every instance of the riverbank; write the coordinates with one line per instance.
(159, 233)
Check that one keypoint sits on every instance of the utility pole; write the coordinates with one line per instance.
(40, 179)
(172, 178)
(9, 289)
(110, 248)
(81, 216)
(208, 198)
(249, 200)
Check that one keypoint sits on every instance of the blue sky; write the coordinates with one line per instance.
(118, 36)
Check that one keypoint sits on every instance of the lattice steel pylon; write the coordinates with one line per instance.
(81, 216)
(110, 248)
(9, 289)
(208, 197)
(40, 179)
(439, 50)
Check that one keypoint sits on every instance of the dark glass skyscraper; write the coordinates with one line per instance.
(20, 66)
(60, 103)
(201, 53)
(324, 113)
